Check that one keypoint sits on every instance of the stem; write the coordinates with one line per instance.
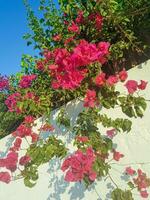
(97, 193)
(147, 163)
(27, 141)
(112, 180)
(109, 161)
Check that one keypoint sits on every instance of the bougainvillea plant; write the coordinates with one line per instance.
(72, 68)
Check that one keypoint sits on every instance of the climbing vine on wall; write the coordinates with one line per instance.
(75, 53)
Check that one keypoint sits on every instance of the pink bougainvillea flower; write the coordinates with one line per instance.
(4, 83)
(2, 162)
(67, 75)
(112, 80)
(80, 17)
(72, 66)
(141, 181)
(24, 160)
(52, 67)
(123, 75)
(16, 145)
(90, 99)
(66, 22)
(74, 28)
(104, 47)
(55, 85)
(142, 85)
(98, 22)
(131, 86)
(48, 56)
(100, 79)
(117, 155)
(79, 165)
(92, 176)
(85, 53)
(11, 161)
(40, 65)
(11, 101)
(29, 119)
(144, 194)
(111, 133)
(65, 164)
(26, 80)
(97, 19)
(25, 130)
(82, 138)
(91, 16)
(5, 177)
(35, 137)
(30, 95)
(130, 171)
(22, 131)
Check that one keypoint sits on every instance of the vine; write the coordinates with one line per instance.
(74, 54)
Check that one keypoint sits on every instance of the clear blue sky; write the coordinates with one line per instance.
(13, 25)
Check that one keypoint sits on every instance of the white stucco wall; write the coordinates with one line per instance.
(134, 145)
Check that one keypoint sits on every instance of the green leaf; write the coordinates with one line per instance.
(131, 185)
(128, 111)
(126, 126)
(138, 111)
(141, 102)
(28, 183)
(119, 194)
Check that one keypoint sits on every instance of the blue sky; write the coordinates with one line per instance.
(13, 25)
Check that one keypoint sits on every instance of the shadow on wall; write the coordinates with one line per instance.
(8, 144)
(57, 185)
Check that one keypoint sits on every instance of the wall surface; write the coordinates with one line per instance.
(134, 145)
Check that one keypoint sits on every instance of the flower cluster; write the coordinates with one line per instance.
(24, 160)
(141, 182)
(10, 162)
(133, 85)
(26, 80)
(73, 28)
(5, 177)
(79, 165)
(12, 100)
(90, 99)
(16, 145)
(68, 69)
(117, 155)
(111, 133)
(29, 119)
(101, 79)
(25, 130)
(4, 83)
(80, 17)
(97, 19)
